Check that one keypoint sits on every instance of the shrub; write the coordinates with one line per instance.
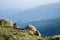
(31, 33)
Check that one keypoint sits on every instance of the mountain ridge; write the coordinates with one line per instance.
(48, 11)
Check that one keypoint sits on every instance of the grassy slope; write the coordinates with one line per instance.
(11, 34)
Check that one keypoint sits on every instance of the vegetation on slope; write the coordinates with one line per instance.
(11, 34)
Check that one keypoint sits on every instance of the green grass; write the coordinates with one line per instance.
(8, 33)
(11, 34)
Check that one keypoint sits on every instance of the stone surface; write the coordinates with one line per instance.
(6, 22)
(31, 27)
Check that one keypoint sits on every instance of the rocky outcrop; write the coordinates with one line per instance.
(31, 27)
(9, 23)
(14, 25)
(6, 22)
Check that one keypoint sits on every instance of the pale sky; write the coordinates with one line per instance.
(24, 4)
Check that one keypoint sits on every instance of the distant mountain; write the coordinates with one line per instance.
(48, 11)
(10, 14)
(47, 27)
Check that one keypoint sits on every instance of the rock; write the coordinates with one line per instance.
(37, 33)
(31, 27)
(6, 22)
(14, 25)
(10, 23)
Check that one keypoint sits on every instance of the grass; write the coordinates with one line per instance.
(11, 34)
(8, 33)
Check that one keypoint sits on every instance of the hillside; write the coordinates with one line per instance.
(11, 34)
(10, 31)
(47, 27)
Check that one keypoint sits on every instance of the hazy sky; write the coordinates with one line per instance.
(24, 4)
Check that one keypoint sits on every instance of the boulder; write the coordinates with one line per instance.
(6, 22)
(31, 27)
